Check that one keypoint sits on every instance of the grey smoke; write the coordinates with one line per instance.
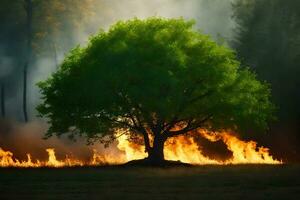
(28, 138)
(212, 16)
(6, 64)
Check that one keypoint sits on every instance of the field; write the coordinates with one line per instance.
(205, 182)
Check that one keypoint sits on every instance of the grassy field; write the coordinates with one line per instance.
(205, 182)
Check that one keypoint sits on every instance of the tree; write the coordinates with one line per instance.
(154, 78)
(12, 44)
(28, 5)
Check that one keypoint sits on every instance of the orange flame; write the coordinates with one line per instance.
(186, 149)
(183, 148)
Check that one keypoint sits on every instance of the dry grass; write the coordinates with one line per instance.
(205, 182)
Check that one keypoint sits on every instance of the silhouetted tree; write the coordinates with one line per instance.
(156, 78)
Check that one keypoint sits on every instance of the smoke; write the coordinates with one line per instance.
(212, 16)
(44, 67)
(28, 138)
(6, 66)
(215, 150)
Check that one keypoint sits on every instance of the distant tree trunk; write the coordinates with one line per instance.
(28, 10)
(25, 92)
(2, 100)
(156, 152)
(52, 45)
(55, 54)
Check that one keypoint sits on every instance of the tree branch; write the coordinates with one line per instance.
(195, 99)
(190, 127)
(175, 120)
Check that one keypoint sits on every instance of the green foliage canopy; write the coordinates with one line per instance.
(148, 76)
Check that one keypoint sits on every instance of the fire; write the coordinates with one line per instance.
(132, 151)
(182, 148)
(243, 152)
(185, 149)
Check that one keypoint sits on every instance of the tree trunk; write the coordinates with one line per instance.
(156, 152)
(25, 93)
(28, 9)
(52, 45)
(2, 100)
(55, 55)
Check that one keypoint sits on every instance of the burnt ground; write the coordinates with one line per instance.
(204, 182)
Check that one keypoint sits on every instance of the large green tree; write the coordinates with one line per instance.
(157, 78)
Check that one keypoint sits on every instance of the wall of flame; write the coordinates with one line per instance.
(183, 148)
